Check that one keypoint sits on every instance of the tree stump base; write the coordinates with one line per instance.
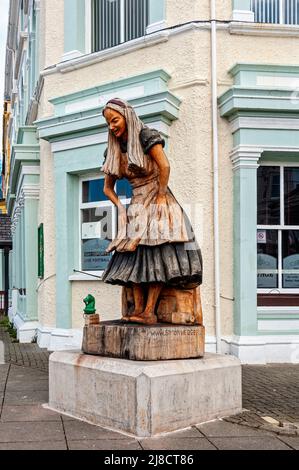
(144, 343)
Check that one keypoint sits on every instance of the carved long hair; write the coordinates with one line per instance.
(137, 160)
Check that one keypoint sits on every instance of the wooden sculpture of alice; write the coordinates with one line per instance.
(155, 245)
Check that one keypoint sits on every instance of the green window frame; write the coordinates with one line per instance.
(41, 251)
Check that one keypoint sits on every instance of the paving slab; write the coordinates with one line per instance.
(79, 430)
(34, 431)
(19, 372)
(27, 385)
(249, 443)
(26, 398)
(293, 442)
(224, 429)
(59, 445)
(182, 443)
(115, 444)
(28, 413)
(3, 374)
(272, 390)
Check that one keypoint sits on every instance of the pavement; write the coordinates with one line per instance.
(269, 421)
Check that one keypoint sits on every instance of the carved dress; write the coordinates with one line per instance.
(157, 244)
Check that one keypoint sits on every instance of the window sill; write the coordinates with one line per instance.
(264, 29)
(86, 277)
(278, 300)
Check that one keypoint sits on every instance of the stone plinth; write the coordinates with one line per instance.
(144, 398)
(144, 343)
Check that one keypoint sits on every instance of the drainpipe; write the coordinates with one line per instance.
(215, 174)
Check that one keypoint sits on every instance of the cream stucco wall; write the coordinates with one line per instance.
(190, 10)
(53, 22)
(47, 288)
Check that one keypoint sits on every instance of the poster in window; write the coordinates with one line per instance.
(261, 236)
(94, 256)
(266, 271)
(291, 279)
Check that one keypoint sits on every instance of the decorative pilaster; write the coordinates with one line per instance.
(31, 197)
(245, 164)
(66, 212)
(74, 29)
(242, 10)
(157, 16)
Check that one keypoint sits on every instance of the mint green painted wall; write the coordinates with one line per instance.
(37, 44)
(20, 310)
(10, 271)
(14, 261)
(67, 225)
(268, 137)
(247, 74)
(151, 82)
(74, 25)
(157, 11)
(245, 256)
(24, 255)
(30, 257)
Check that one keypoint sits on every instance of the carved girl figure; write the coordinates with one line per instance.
(155, 245)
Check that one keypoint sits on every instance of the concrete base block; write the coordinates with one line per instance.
(144, 398)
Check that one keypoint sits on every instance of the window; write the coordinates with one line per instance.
(98, 218)
(278, 229)
(276, 11)
(117, 21)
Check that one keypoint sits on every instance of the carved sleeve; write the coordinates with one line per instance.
(149, 138)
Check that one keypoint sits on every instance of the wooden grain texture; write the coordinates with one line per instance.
(144, 343)
(176, 306)
(92, 319)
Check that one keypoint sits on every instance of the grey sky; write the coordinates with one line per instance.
(4, 6)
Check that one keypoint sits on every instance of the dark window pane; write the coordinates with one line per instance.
(107, 22)
(93, 191)
(266, 11)
(268, 195)
(267, 259)
(290, 259)
(136, 18)
(292, 11)
(291, 196)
